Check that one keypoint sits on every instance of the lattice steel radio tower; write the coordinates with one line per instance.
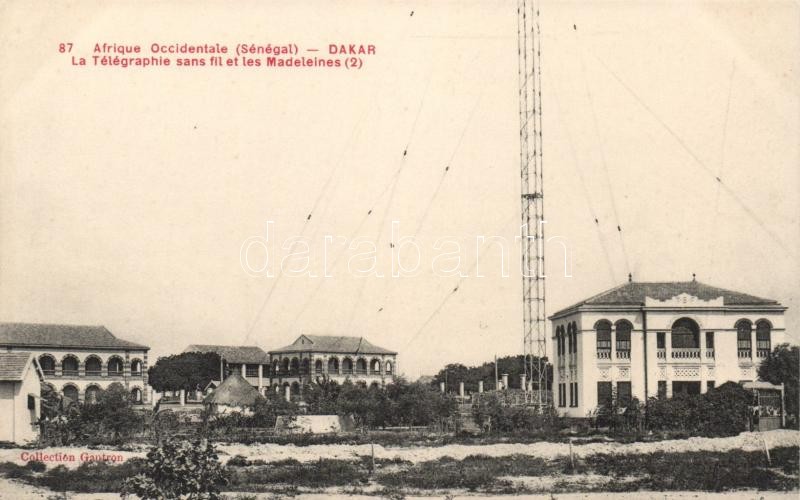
(530, 141)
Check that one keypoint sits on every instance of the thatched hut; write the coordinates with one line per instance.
(234, 394)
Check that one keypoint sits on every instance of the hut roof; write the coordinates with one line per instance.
(233, 391)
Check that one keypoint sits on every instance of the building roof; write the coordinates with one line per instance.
(75, 336)
(13, 365)
(633, 293)
(233, 391)
(233, 353)
(333, 344)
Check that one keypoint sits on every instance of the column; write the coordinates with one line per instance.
(441, 387)
(753, 344)
(480, 387)
(505, 381)
(260, 377)
(668, 360)
(522, 382)
(244, 370)
(288, 393)
(702, 345)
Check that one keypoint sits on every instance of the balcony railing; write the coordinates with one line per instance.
(710, 352)
(685, 353)
(623, 354)
(347, 371)
(69, 373)
(361, 371)
(661, 353)
(745, 354)
(49, 373)
(604, 354)
(762, 353)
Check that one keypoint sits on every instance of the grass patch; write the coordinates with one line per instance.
(699, 470)
(320, 474)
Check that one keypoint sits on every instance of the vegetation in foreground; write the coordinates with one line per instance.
(686, 471)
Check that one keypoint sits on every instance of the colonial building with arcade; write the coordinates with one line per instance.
(78, 361)
(337, 358)
(657, 339)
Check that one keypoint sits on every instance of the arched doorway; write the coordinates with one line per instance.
(70, 394)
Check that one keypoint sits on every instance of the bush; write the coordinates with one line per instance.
(722, 411)
(175, 469)
(491, 413)
(36, 466)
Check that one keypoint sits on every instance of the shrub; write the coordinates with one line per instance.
(175, 469)
(722, 411)
(36, 466)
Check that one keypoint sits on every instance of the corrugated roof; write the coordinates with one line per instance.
(232, 353)
(334, 344)
(634, 293)
(12, 365)
(42, 335)
(233, 391)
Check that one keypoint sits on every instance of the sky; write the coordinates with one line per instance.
(127, 195)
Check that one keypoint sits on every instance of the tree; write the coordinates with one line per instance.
(114, 412)
(187, 371)
(454, 373)
(179, 469)
(321, 396)
(781, 366)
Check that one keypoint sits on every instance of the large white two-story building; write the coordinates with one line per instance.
(657, 339)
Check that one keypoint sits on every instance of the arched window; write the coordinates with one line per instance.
(574, 337)
(294, 368)
(685, 334)
(603, 331)
(275, 366)
(94, 367)
(304, 366)
(623, 331)
(569, 339)
(136, 395)
(69, 367)
(295, 388)
(744, 339)
(318, 366)
(48, 365)
(285, 366)
(389, 367)
(361, 366)
(763, 338)
(136, 367)
(347, 365)
(115, 367)
(375, 366)
(333, 365)
(91, 394)
(559, 334)
(70, 393)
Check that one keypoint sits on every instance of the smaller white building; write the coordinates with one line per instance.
(20, 397)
